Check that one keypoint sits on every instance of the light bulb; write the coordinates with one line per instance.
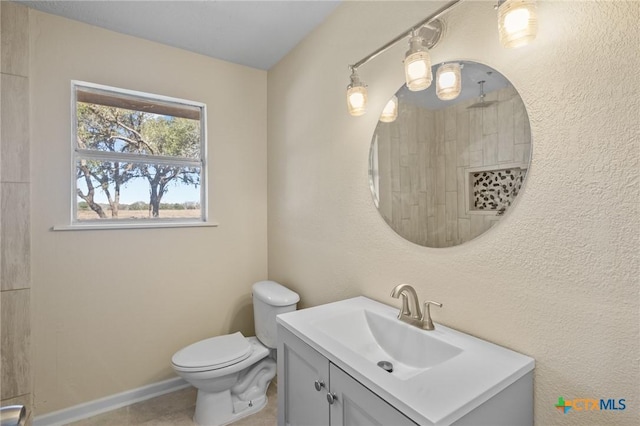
(417, 65)
(356, 96)
(357, 100)
(517, 22)
(448, 81)
(390, 111)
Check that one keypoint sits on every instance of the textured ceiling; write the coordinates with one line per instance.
(253, 33)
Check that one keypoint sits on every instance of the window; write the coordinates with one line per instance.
(138, 158)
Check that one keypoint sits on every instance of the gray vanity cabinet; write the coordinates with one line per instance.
(354, 404)
(301, 370)
(314, 392)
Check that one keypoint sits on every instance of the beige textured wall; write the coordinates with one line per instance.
(558, 278)
(111, 307)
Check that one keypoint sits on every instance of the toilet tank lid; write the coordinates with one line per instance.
(275, 294)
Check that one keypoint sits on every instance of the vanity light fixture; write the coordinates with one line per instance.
(417, 64)
(390, 111)
(517, 22)
(424, 35)
(448, 81)
(356, 95)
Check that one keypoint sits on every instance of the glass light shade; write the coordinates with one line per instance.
(417, 70)
(517, 22)
(356, 99)
(390, 111)
(448, 81)
(417, 64)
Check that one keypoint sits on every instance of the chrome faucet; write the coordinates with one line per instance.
(409, 296)
(410, 310)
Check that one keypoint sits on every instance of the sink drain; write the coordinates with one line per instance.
(386, 366)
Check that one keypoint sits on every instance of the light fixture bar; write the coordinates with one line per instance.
(405, 34)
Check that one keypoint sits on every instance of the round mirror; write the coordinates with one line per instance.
(447, 162)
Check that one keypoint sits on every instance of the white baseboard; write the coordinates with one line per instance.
(108, 403)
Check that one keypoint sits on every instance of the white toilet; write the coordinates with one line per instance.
(232, 372)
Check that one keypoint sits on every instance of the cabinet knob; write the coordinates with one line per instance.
(319, 384)
(331, 398)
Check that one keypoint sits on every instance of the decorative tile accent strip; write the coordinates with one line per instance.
(495, 190)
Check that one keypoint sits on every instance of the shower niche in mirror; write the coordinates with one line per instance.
(442, 172)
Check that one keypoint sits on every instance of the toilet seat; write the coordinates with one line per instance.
(213, 353)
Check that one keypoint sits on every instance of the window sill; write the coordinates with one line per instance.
(136, 225)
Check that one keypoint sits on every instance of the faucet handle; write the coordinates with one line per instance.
(427, 323)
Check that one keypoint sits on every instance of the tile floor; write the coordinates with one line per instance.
(176, 409)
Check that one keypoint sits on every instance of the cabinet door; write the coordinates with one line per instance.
(355, 405)
(299, 367)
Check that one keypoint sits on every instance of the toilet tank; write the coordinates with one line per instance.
(269, 300)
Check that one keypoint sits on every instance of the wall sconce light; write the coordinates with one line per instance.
(356, 95)
(390, 111)
(417, 64)
(517, 22)
(448, 81)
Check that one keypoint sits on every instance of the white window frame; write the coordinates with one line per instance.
(78, 153)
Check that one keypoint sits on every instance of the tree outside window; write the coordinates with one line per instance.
(137, 156)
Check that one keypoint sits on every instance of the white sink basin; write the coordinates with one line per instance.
(375, 337)
(438, 376)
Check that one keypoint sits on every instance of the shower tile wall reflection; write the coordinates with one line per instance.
(424, 161)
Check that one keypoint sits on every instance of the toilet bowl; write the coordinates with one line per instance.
(232, 372)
